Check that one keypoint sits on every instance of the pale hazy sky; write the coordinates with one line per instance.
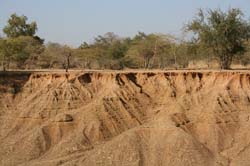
(74, 21)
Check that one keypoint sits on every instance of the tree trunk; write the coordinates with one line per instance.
(3, 63)
(154, 55)
(8, 64)
(3, 66)
(226, 61)
(146, 62)
(208, 62)
(175, 59)
(68, 62)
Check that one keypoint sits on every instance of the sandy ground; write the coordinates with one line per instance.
(132, 117)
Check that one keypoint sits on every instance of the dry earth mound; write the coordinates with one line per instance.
(125, 118)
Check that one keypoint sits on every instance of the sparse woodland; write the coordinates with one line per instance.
(214, 36)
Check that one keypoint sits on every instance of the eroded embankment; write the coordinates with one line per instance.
(125, 118)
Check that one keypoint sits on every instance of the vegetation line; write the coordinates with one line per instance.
(219, 39)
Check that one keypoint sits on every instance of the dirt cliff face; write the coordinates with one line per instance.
(125, 118)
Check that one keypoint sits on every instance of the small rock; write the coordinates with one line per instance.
(64, 118)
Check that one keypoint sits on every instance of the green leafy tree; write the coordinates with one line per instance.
(164, 51)
(142, 49)
(19, 50)
(3, 53)
(224, 32)
(84, 45)
(108, 51)
(20, 46)
(33, 48)
(150, 51)
(11, 49)
(245, 59)
(18, 26)
(117, 51)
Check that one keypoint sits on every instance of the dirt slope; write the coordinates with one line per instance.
(125, 118)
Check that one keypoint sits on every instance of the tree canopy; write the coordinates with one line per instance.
(217, 37)
(18, 26)
(224, 32)
(21, 44)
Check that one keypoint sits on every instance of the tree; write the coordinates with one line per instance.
(107, 51)
(164, 51)
(151, 50)
(245, 59)
(56, 56)
(19, 50)
(142, 48)
(183, 54)
(51, 57)
(34, 48)
(224, 32)
(84, 45)
(9, 48)
(117, 51)
(21, 44)
(3, 53)
(67, 53)
(18, 26)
